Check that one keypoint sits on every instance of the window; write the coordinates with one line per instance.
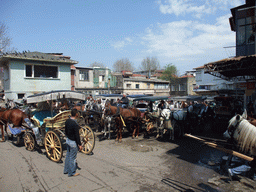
(241, 32)
(28, 70)
(83, 75)
(129, 86)
(45, 71)
(246, 31)
(182, 87)
(41, 71)
(173, 88)
(21, 95)
(137, 86)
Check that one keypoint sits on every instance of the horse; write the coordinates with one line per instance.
(13, 116)
(242, 132)
(123, 116)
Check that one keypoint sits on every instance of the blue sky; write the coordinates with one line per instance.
(186, 33)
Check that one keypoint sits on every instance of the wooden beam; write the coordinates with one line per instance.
(214, 145)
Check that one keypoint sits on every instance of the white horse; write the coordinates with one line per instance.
(243, 132)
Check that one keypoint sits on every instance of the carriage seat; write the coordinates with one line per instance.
(58, 121)
(41, 115)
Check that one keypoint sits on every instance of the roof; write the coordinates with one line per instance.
(138, 75)
(185, 76)
(146, 80)
(38, 56)
(241, 67)
(90, 68)
(157, 75)
(201, 67)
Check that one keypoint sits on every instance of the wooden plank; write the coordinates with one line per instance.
(214, 145)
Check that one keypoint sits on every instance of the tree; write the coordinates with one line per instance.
(150, 64)
(170, 72)
(5, 41)
(96, 64)
(123, 65)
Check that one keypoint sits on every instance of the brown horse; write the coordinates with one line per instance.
(14, 116)
(122, 116)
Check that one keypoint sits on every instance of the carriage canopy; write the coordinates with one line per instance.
(152, 98)
(55, 95)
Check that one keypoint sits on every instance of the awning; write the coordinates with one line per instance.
(237, 68)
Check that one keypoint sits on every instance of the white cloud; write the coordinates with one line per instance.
(197, 8)
(182, 39)
(121, 44)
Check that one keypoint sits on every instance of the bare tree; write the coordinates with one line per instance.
(123, 65)
(150, 64)
(5, 41)
(96, 64)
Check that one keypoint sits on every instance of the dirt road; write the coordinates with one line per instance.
(133, 165)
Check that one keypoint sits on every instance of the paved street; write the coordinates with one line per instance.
(133, 165)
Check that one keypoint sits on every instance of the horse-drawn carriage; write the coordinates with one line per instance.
(48, 128)
(153, 117)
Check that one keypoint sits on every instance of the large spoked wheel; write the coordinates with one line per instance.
(53, 146)
(29, 141)
(87, 139)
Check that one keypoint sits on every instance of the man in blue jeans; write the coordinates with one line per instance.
(73, 143)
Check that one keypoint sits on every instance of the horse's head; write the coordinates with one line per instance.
(233, 124)
(166, 113)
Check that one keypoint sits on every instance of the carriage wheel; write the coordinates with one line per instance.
(81, 120)
(53, 146)
(87, 139)
(29, 141)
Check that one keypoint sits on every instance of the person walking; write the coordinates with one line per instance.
(73, 143)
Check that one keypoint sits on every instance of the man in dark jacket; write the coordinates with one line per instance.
(124, 101)
(73, 143)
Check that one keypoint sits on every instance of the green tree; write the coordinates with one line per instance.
(123, 64)
(170, 72)
(150, 64)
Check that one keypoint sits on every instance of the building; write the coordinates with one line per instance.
(183, 86)
(137, 84)
(94, 80)
(210, 85)
(28, 73)
(243, 23)
(242, 68)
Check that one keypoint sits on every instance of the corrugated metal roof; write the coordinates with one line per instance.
(37, 56)
(242, 66)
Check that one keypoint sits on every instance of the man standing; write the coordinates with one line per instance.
(73, 142)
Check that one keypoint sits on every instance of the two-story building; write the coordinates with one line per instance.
(183, 86)
(94, 80)
(136, 84)
(28, 73)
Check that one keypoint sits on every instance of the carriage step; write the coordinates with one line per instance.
(16, 130)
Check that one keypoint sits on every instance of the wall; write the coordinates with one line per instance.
(84, 84)
(212, 82)
(19, 84)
